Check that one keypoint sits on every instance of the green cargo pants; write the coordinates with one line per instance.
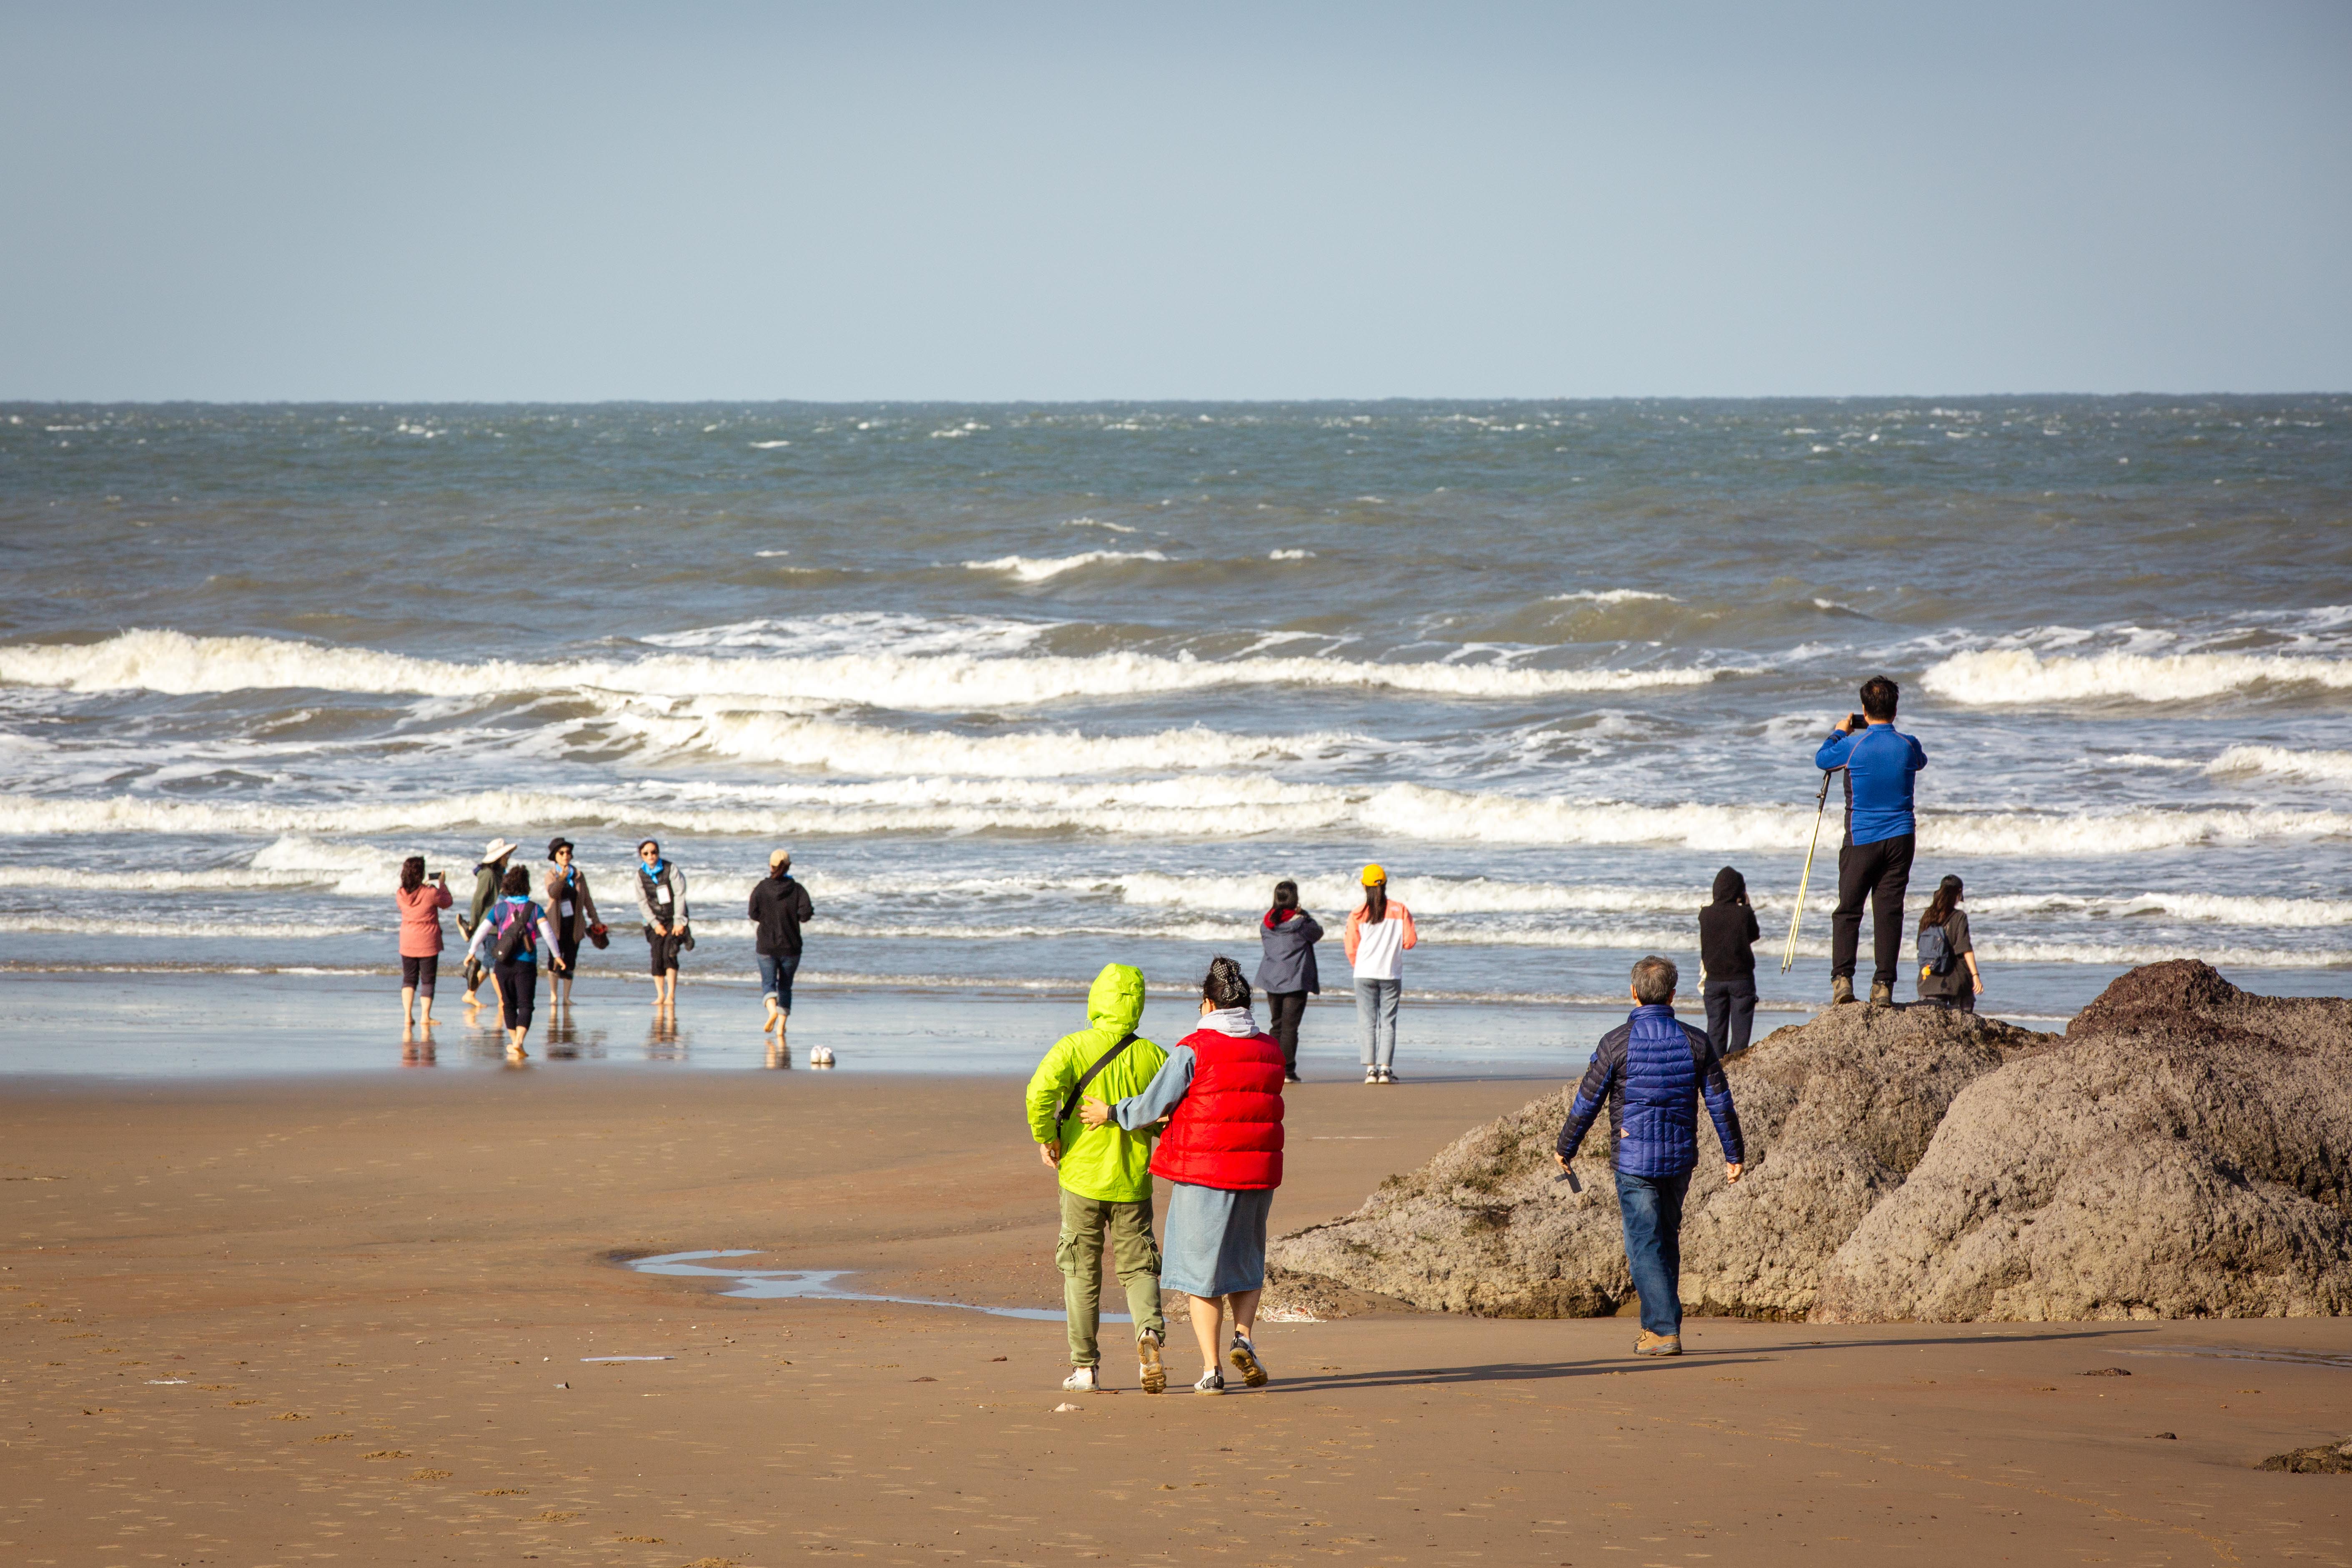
(1133, 1253)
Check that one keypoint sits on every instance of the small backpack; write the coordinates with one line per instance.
(514, 928)
(1935, 951)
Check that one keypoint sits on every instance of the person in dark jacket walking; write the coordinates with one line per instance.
(779, 905)
(1286, 973)
(1727, 957)
(1650, 1071)
(1881, 833)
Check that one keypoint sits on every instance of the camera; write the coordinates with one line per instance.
(1856, 723)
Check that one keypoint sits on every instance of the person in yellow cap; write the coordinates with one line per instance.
(1377, 935)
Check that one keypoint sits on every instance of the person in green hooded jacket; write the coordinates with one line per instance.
(1105, 1172)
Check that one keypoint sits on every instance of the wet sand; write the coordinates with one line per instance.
(333, 1320)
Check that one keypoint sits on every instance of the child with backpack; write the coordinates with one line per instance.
(1947, 959)
(511, 936)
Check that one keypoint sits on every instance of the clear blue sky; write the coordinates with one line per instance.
(1016, 201)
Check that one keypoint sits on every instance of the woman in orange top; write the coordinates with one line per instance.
(420, 937)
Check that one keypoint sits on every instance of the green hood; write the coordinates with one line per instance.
(1116, 1000)
(1102, 1163)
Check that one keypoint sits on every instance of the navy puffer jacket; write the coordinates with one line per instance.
(1650, 1071)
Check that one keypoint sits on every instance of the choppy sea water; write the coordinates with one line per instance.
(1029, 687)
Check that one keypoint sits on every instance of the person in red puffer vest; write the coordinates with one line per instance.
(1221, 1089)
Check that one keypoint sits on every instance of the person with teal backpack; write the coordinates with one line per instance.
(1105, 1173)
(512, 935)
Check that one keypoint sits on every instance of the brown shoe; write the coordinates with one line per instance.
(1841, 990)
(1147, 1354)
(1658, 1344)
(1882, 993)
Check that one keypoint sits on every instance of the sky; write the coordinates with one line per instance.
(581, 202)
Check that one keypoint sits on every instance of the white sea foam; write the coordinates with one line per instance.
(768, 446)
(2013, 676)
(1195, 806)
(227, 878)
(182, 929)
(846, 748)
(1290, 555)
(1041, 569)
(2327, 767)
(1613, 596)
(176, 663)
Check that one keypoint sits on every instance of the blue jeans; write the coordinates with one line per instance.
(776, 976)
(1653, 1208)
(1376, 1013)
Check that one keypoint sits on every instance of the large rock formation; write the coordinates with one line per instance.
(1835, 1113)
(2186, 1149)
(2187, 1153)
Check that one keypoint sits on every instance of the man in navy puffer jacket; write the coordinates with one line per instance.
(1650, 1071)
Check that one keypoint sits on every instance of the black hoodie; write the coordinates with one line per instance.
(1727, 929)
(779, 905)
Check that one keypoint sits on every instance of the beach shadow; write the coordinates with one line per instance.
(1511, 1371)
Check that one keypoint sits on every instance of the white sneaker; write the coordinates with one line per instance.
(1081, 1381)
(1388, 1075)
(1245, 1362)
(1372, 1075)
(819, 1056)
(1211, 1382)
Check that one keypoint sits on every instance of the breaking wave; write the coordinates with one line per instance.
(2012, 676)
(2325, 767)
(1204, 806)
(176, 663)
(1041, 569)
(833, 746)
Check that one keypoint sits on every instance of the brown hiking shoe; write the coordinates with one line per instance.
(1840, 989)
(1658, 1344)
(1882, 993)
(1147, 1352)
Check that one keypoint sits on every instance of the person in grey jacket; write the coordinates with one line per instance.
(1287, 973)
(661, 900)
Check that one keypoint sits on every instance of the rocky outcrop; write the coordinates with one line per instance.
(2187, 1153)
(2184, 1151)
(1836, 1111)
(2325, 1459)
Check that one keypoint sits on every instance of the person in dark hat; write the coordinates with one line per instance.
(572, 911)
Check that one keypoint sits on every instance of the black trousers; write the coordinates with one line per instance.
(1731, 1013)
(518, 989)
(1284, 1009)
(1880, 872)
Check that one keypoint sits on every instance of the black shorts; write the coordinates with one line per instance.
(666, 949)
(567, 948)
(418, 973)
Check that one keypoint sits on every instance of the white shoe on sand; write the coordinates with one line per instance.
(1081, 1381)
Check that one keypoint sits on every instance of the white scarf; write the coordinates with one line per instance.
(1235, 1021)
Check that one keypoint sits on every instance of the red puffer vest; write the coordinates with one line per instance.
(1228, 1130)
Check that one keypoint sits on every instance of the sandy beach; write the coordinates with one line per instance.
(344, 1319)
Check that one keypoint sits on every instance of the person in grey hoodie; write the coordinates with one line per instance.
(1287, 973)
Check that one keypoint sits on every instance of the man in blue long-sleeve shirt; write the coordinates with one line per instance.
(1650, 1071)
(1880, 834)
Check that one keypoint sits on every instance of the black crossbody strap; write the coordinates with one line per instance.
(1078, 1089)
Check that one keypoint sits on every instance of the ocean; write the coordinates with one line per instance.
(1029, 687)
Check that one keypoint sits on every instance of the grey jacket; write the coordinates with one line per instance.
(1290, 962)
(675, 915)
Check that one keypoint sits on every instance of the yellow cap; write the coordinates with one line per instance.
(1374, 874)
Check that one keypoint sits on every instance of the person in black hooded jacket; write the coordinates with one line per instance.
(1726, 952)
(779, 905)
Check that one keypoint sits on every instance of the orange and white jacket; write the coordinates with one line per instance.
(1378, 950)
